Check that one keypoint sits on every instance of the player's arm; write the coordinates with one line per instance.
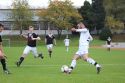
(25, 36)
(78, 30)
(91, 38)
(1, 47)
(55, 41)
(38, 38)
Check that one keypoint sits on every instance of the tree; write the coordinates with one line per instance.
(99, 13)
(115, 14)
(88, 15)
(21, 14)
(60, 13)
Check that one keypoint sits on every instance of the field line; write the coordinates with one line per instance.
(61, 65)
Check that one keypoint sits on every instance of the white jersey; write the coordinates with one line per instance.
(66, 40)
(85, 37)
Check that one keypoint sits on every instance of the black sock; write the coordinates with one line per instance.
(50, 52)
(3, 62)
(21, 60)
(71, 67)
(95, 63)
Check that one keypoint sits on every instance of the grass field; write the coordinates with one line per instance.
(48, 70)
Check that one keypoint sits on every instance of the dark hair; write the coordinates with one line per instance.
(1, 25)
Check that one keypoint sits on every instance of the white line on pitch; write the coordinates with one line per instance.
(77, 65)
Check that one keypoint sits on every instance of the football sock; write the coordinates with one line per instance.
(91, 61)
(67, 49)
(73, 64)
(3, 62)
(21, 60)
(50, 52)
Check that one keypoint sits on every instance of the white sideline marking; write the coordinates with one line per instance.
(61, 65)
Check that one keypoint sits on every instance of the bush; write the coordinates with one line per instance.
(105, 33)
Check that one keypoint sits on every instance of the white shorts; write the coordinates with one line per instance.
(49, 46)
(82, 50)
(67, 44)
(108, 46)
(30, 49)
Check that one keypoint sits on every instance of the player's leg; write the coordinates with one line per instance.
(25, 53)
(92, 61)
(108, 47)
(67, 48)
(73, 63)
(35, 53)
(3, 62)
(50, 49)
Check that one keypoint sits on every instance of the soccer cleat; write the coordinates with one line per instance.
(98, 70)
(7, 72)
(18, 64)
(41, 56)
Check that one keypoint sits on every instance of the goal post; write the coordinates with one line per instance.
(6, 42)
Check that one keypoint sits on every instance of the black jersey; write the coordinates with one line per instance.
(30, 42)
(49, 39)
(108, 41)
(0, 38)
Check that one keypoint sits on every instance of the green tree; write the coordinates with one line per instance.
(99, 13)
(87, 13)
(60, 13)
(21, 14)
(115, 14)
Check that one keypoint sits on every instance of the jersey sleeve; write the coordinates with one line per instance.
(35, 35)
(81, 30)
(46, 36)
(53, 37)
(0, 39)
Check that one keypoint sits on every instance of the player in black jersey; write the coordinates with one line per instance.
(49, 40)
(108, 42)
(31, 45)
(2, 55)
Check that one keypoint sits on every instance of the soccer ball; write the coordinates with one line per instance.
(64, 68)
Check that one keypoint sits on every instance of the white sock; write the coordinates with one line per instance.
(67, 49)
(91, 61)
(73, 64)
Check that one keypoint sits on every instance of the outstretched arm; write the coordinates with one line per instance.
(55, 41)
(1, 47)
(38, 38)
(78, 30)
(25, 36)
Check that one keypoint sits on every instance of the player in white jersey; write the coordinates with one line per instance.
(82, 52)
(66, 41)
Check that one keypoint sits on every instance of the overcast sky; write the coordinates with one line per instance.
(38, 3)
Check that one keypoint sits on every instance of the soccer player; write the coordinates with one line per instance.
(82, 52)
(66, 41)
(31, 45)
(108, 42)
(2, 55)
(49, 40)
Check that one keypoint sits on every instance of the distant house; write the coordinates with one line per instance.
(8, 23)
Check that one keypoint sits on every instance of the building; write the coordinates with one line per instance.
(8, 23)
(40, 26)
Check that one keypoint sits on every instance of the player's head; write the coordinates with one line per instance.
(81, 25)
(1, 27)
(31, 28)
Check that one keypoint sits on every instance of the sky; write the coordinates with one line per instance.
(38, 3)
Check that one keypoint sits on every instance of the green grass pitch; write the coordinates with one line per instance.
(48, 70)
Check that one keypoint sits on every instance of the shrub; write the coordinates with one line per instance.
(105, 33)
